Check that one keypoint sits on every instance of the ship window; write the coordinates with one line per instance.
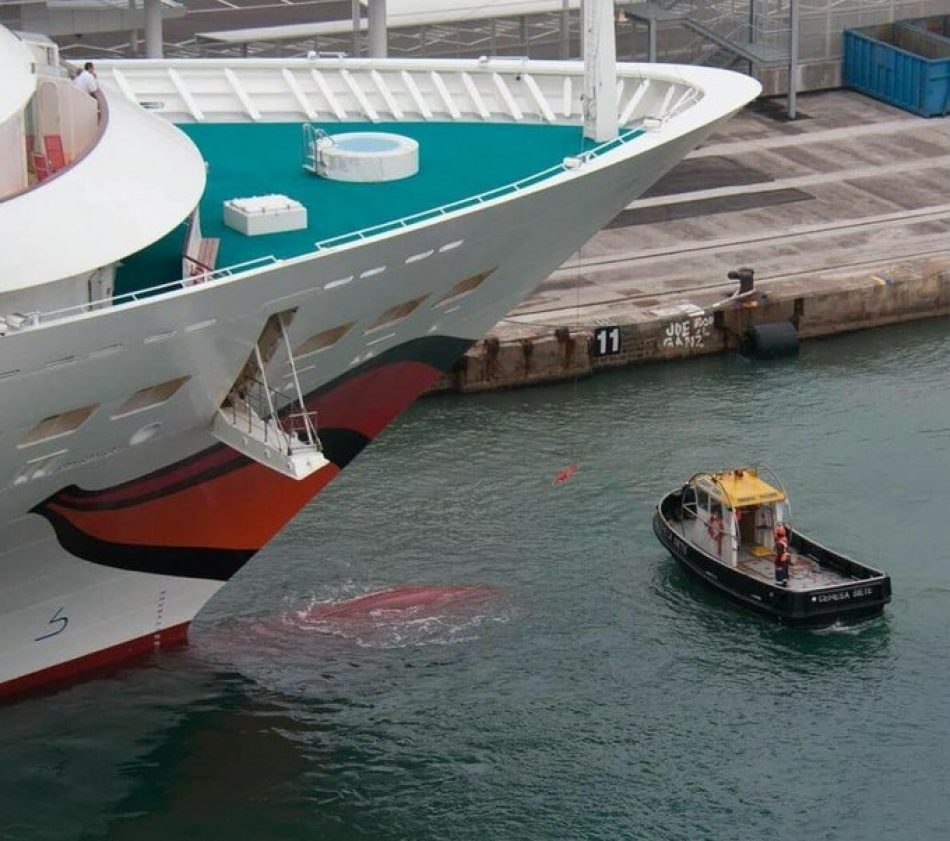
(463, 288)
(702, 499)
(396, 313)
(323, 340)
(146, 433)
(148, 397)
(56, 426)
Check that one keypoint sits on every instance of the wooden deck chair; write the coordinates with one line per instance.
(199, 254)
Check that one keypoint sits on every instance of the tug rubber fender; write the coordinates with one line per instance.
(770, 341)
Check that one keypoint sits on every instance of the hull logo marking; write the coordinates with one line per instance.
(56, 618)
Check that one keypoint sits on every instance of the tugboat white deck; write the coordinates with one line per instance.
(804, 573)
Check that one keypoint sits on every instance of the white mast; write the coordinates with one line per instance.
(600, 71)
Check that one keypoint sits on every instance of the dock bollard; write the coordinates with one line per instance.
(527, 348)
(567, 344)
(746, 278)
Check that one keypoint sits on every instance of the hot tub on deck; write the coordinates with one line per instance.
(365, 157)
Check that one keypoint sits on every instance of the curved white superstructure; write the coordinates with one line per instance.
(16, 70)
(139, 462)
(139, 180)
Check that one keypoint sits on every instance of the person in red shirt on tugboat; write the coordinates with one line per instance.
(782, 557)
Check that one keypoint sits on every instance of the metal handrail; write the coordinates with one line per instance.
(259, 399)
(760, 467)
(757, 467)
(35, 318)
(496, 192)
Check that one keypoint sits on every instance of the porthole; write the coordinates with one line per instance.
(146, 433)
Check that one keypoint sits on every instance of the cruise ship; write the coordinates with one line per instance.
(221, 279)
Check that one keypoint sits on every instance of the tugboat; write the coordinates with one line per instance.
(731, 529)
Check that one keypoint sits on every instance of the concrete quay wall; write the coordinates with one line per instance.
(516, 354)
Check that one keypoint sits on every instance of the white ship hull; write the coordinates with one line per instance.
(116, 537)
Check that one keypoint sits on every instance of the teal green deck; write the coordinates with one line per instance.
(456, 161)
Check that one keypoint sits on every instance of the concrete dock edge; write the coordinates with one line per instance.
(516, 355)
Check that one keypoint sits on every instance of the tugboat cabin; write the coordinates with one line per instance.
(732, 515)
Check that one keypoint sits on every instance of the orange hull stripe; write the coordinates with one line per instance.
(243, 508)
(240, 510)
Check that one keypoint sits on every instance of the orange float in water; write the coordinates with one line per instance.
(565, 474)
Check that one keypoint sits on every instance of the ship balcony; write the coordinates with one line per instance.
(56, 129)
(286, 441)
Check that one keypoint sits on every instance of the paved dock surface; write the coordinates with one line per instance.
(851, 188)
(844, 214)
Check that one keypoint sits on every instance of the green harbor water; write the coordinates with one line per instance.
(594, 691)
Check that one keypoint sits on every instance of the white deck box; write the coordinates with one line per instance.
(257, 215)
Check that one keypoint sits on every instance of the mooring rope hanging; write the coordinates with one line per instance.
(563, 475)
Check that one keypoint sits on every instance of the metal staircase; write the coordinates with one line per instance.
(265, 425)
(755, 38)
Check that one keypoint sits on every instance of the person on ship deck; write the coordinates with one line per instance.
(86, 79)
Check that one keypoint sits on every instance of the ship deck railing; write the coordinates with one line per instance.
(34, 319)
(37, 318)
(470, 201)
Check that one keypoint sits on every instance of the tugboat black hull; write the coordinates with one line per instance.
(862, 597)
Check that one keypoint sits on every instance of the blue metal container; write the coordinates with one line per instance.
(899, 63)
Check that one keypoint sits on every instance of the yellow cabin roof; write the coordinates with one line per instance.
(739, 488)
